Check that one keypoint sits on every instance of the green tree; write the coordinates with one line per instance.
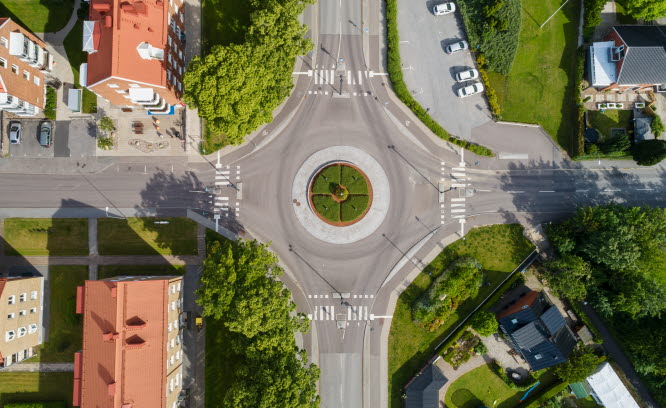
(568, 276)
(649, 152)
(645, 9)
(657, 126)
(484, 323)
(579, 365)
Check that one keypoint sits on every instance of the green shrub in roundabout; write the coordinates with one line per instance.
(340, 194)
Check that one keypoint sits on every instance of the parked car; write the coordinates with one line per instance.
(456, 47)
(15, 132)
(467, 75)
(473, 89)
(46, 133)
(444, 8)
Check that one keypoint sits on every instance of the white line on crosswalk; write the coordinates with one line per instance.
(222, 198)
(458, 169)
(458, 199)
(458, 210)
(457, 205)
(457, 216)
(458, 174)
(219, 183)
(360, 77)
(457, 185)
(349, 78)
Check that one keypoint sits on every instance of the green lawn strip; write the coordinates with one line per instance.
(220, 361)
(111, 271)
(499, 248)
(38, 16)
(51, 103)
(65, 328)
(141, 236)
(541, 85)
(46, 236)
(482, 386)
(326, 179)
(353, 180)
(26, 387)
(76, 57)
(353, 207)
(224, 22)
(213, 141)
(327, 207)
(610, 119)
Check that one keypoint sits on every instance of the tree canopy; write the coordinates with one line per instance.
(579, 365)
(484, 323)
(569, 276)
(236, 87)
(645, 9)
(239, 290)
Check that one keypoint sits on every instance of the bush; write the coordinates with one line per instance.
(480, 348)
(490, 94)
(547, 394)
(657, 126)
(484, 323)
(649, 152)
(592, 16)
(104, 143)
(50, 103)
(400, 88)
(618, 144)
(106, 124)
(591, 148)
(579, 145)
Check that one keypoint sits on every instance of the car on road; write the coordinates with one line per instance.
(456, 47)
(467, 75)
(15, 132)
(46, 133)
(444, 8)
(473, 89)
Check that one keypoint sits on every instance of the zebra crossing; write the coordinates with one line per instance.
(226, 176)
(348, 313)
(459, 181)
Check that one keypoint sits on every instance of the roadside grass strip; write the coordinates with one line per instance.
(147, 236)
(46, 236)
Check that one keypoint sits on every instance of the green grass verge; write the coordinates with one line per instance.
(212, 141)
(38, 16)
(76, 57)
(46, 236)
(608, 120)
(499, 248)
(353, 180)
(51, 103)
(141, 236)
(326, 179)
(327, 207)
(482, 386)
(353, 207)
(27, 387)
(541, 85)
(111, 271)
(401, 90)
(65, 328)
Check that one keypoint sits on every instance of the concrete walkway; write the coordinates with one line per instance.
(101, 260)
(39, 367)
(92, 248)
(452, 375)
(193, 48)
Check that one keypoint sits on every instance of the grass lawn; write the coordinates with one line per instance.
(540, 87)
(327, 178)
(111, 271)
(608, 120)
(39, 16)
(141, 236)
(76, 57)
(23, 387)
(353, 180)
(46, 236)
(499, 248)
(327, 207)
(353, 207)
(482, 386)
(212, 141)
(65, 330)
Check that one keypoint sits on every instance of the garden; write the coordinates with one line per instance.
(463, 349)
(340, 194)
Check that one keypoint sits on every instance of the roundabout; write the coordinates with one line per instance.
(340, 194)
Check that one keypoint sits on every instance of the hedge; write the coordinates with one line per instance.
(50, 104)
(549, 393)
(36, 405)
(592, 13)
(401, 90)
(579, 144)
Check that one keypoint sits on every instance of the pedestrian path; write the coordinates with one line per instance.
(39, 367)
(342, 309)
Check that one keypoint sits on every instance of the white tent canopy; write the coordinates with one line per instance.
(608, 388)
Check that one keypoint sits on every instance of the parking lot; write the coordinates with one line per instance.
(430, 73)
(29, 146)
(70, 139)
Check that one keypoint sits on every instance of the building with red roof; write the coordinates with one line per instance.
(132, 343)
(135, 53)
(21, 305)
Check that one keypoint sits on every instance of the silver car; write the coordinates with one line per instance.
(456, 47)
(46, 134)
(15, 132)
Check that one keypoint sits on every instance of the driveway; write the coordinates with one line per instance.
(29, 146)
(429, 71)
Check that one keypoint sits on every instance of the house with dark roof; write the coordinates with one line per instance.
(423, 390)
(537, 330)
(630, 57)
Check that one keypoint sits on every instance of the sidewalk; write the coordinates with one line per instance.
(39, 367)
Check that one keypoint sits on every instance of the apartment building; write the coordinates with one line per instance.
(132, 343)
(20, 318)
(135, 53)
(24, 61)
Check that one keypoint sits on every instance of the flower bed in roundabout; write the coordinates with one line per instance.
(340, 194)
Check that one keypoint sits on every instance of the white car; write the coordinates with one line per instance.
(444, 8)
(467, 75)
(475, 88)
(15, 133)
(456, 47)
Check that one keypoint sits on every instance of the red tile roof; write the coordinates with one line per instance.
(114, 370)
(3, 281)
(526, 300)
(123, 25)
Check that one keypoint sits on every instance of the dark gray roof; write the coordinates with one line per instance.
(642, 36)
(643, 129)
(645, 57)
(553, 320)
(423, 392)
(528, 336)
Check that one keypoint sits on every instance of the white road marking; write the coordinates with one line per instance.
(546, 191)
(457, 199)
(606, 190)
(360, 77)
(458, 174)
(458, 217)
(458, 210)
(458, 169)
(457, 205)
(645, 189)
(349, 78)
(515, 192)
(457, 185)
(485, 191)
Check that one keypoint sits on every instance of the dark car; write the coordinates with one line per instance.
(46, 134)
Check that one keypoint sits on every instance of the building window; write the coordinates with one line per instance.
(181, 17)
(22, 331)
(23, 297)
(170, 327)
(538, 356)
(22, 313)
(177, 339)
(32, 328)
(26, 74)
(113, 86)
(121, 91)
(15, 69)
(173, 287)
(180, 86)
(171, 385)
(173, 361)
(3, 63)
(33, 294)
(10, 316)
(33, 310)
(35, 79)
(175, 7)
(135, 85)
(178, 287)
(173, 343)
(11, 300)
(3, 42)
(9, 336)
(169, 40)
(169, 58)
(177, 379)
(180, 54)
